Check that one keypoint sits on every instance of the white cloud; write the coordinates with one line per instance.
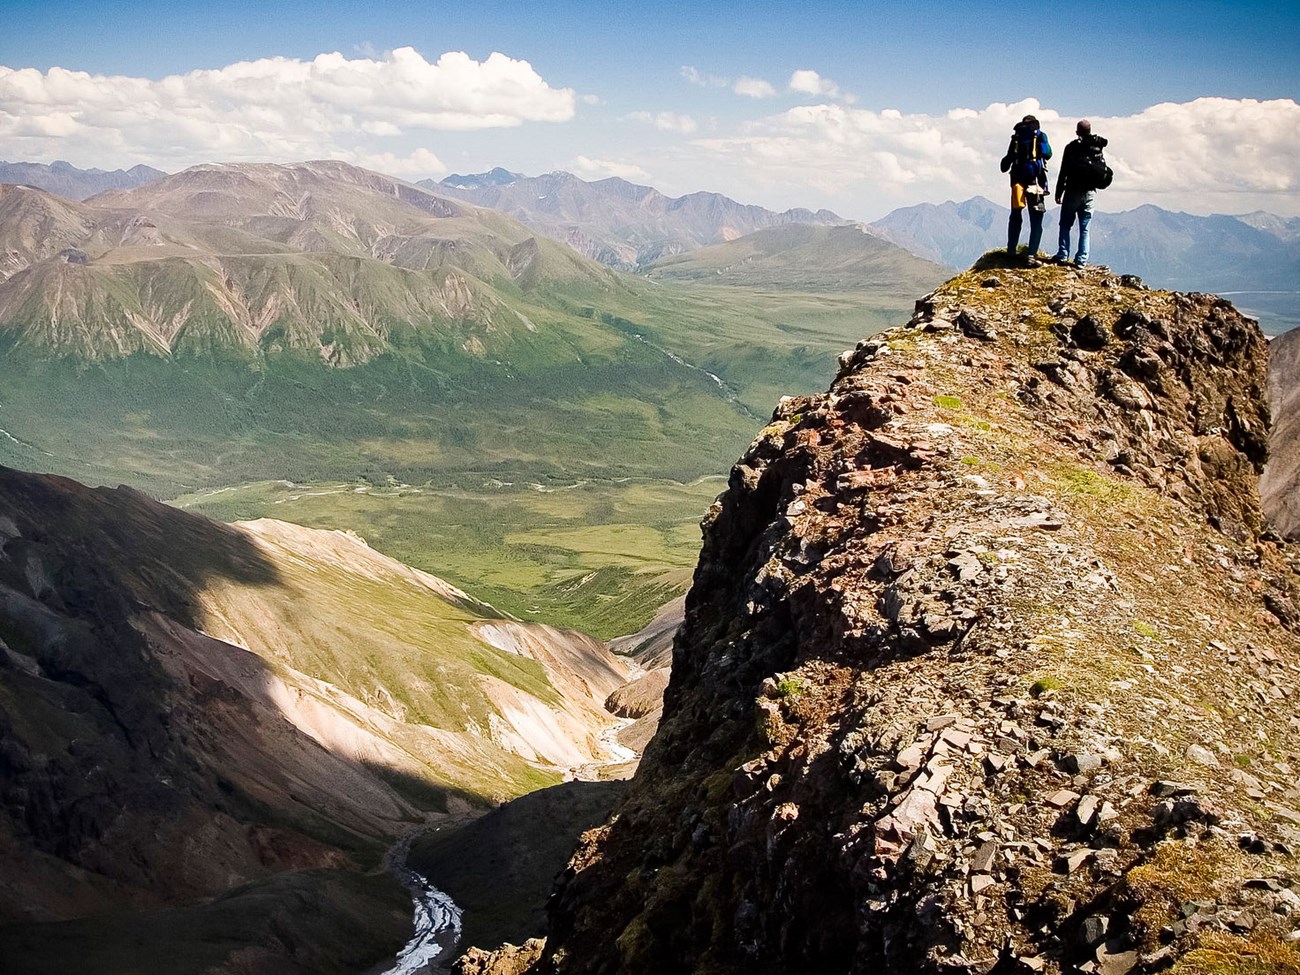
(809, 82)
(273, 108)
(697, 77)
(1207, 155)
(753, 87)
(415, 165)
(665, 121)
(602, 168)
(744, 85)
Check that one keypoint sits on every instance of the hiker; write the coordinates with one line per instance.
(1026, 162)
(1083, 172)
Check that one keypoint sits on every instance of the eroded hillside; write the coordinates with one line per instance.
(1278, 485)
(985, 666)
(250, 713)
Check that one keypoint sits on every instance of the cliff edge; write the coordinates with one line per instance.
(985, 666)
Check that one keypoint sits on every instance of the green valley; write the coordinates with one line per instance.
(597, 556)
(430, 374)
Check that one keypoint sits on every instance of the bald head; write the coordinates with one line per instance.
(1083, 128)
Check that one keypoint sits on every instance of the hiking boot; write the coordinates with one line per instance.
(1032, 261)
(1059, 259)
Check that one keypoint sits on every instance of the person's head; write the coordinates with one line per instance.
(1084, 128)
(1030, 120)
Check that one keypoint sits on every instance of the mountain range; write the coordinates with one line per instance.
(1253, 257)
(621, 224)
(76, 184)
(349, 324)
(321, 257)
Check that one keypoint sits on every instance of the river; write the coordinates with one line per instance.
(437, 918)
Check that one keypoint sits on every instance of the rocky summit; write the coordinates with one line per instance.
(988, 665)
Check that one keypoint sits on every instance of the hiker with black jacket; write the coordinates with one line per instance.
(1026, 162)
(1083, 172)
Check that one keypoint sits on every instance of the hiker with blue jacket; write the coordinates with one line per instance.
(1026, 162)
(1083, 172)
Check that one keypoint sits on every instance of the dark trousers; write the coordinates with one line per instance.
(1035, 230)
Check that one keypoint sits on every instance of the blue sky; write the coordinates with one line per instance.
(635, 113)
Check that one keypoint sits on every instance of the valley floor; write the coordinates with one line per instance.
(597, 556)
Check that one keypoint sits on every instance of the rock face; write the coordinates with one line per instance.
(964, 632)
(1281, 480)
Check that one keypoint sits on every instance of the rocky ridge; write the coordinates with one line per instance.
(987, 665)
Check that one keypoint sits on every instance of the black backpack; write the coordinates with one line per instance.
(1023, 157)
(1092, 172)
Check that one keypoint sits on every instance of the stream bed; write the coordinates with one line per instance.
(437, 918)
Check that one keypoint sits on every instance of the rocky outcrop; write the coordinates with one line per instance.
(985, 665)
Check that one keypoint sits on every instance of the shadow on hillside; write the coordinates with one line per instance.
(336, 921)
(500, 868)
(149, 768)
(80, 546)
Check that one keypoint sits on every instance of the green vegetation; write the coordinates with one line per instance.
(579, 380)
(597, 556)
(1044, 684)
(789, 688)
(948, 402)
(1143, 628)
(804, 258)
(640, 380)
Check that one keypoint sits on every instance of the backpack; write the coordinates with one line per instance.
(1092, 172)
(1026, 160)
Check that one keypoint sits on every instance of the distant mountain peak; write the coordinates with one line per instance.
(496, 176)
(622, 224)
(64, 179)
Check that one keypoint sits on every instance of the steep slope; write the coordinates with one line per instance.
(188, 707)
(620, 224)
(985, 666)
(35, 226)
(68, 181)
(800, 257)
(499, 867)
(1280, 485)
(1256, 254)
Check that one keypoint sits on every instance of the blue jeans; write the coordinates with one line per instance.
(1075, 203)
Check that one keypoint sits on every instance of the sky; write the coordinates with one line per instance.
(856, 107)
